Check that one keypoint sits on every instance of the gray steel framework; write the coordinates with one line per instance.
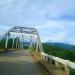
(24, 30)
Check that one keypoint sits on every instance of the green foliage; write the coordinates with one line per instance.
(72, 71)
(2, 43)
(26, 47)
(10, 43)
(59, 52)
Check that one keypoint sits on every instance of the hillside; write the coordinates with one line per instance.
(62, 45)
(59, 52)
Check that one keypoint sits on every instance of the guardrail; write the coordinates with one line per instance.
(67, 63)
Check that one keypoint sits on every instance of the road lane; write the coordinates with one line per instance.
(20, 63)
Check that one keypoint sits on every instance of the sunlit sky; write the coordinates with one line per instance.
(54, 19)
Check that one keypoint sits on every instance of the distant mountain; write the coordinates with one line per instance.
(62, 45)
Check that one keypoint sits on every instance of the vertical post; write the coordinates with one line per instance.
(39, 43)
(17, 43)
(67, 70)
(22, 42)
(37, 46)
(30, 42)
(6, 44)
(34, 44)
(13, 43)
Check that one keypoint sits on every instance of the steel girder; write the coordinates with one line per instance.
(25, 30)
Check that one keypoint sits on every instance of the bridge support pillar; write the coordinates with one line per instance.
(16, 42)
(22, 42)
(13, 43)
(6, 44)
(39, 46)
(67, 70)
(30, 42)
(34, 43)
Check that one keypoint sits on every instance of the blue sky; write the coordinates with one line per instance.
(54, 19)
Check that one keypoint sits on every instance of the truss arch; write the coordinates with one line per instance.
(23, 31)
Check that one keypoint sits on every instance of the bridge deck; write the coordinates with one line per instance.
(20, 63)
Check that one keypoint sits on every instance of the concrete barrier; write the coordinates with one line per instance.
(54, 65)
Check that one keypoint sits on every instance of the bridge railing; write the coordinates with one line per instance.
(67, 65)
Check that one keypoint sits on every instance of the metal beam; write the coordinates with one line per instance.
(13, 43)
(22, 42)
(25, 30)
(6, 44)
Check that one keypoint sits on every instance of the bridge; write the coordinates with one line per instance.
(19, 60)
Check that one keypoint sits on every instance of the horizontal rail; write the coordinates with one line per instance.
(62, 61)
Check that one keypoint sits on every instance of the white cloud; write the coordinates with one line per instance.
(58, 31)
(45, 15)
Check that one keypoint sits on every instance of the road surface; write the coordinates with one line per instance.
(20, 63)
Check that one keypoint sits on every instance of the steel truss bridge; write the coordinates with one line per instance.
(53, 65)
(23, 31)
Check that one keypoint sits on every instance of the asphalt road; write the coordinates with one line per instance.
(20, 63)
